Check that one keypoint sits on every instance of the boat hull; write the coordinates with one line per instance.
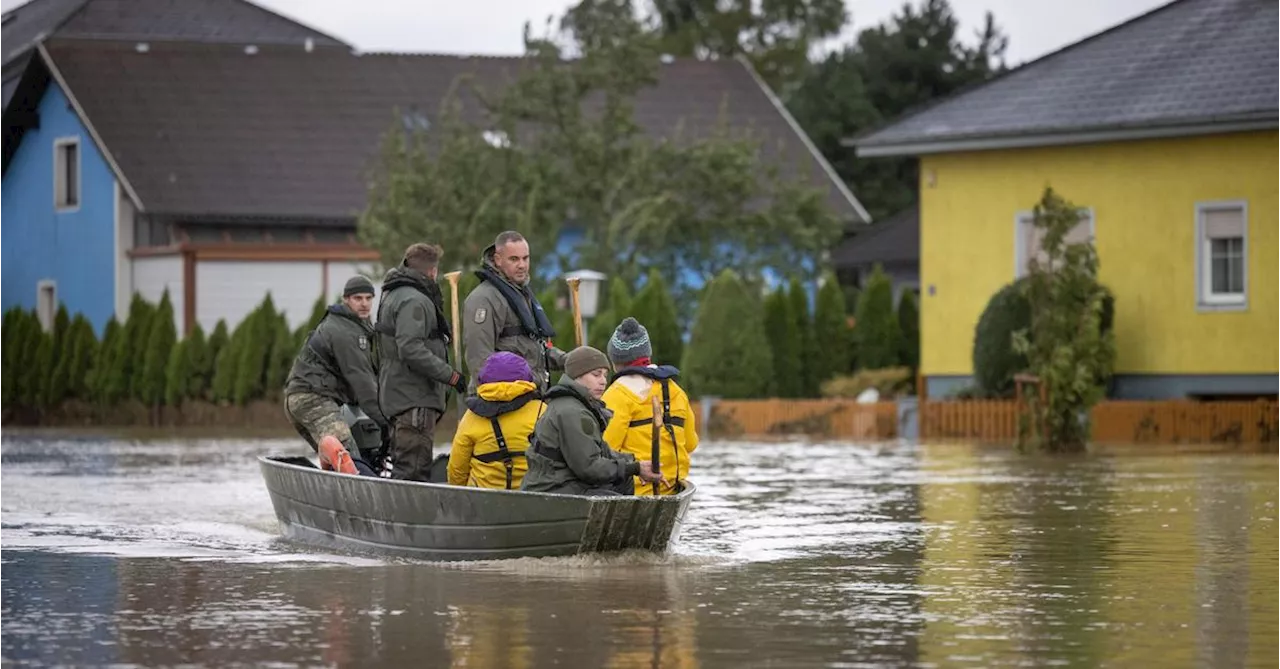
(434, 521)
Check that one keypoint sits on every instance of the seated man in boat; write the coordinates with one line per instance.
(568, 454)
(337, 365)
(489, 447)
(630, 398)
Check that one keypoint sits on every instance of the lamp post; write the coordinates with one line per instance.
(588, 294)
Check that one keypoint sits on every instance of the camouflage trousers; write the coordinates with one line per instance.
(413, 443)
(316, 417)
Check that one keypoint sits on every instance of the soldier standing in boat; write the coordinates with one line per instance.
(568, 454)
(337, 365)
(415, 371)
(502, 314)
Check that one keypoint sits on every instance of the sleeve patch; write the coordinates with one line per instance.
(480, 315)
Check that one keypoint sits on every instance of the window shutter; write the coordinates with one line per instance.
(1224, 223)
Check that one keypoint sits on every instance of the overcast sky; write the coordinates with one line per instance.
(1035, 27)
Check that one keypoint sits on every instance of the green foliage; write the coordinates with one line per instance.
(618, 304)
(61, 328)
(177, 384)
(21, 339)
(279, 359)
(218, 339)
(831, 331)
(728, 354)
(877, 330)
(783, 333)
(572, 154)
(914, 57)
(124, 378)
(811, 357)
(160, 340)
(775, 36)
(41, 370)
(197, 365)
(890, 382)
(1066, 345)
(83, 353)
(995, 361)
(254, 351)
(909, 325)
(656, 311)
(58, 386)
(104, 362)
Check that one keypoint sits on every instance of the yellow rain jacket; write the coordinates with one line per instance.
(476, 460)
(630, 429)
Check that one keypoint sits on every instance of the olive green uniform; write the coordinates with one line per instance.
(337, 365)
(415, 370)
(570, 456)
(492, 321)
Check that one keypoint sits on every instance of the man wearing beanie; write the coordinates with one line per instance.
(569, 455)
(337, 365)
(489, 447)
(630, 398)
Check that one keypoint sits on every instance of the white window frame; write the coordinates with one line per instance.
(1026, 217)
(46, 314)
(1206, 300)
(59, 171)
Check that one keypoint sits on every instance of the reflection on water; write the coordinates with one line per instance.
(793, 555)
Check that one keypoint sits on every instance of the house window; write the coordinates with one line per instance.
(46, 303)
(66, 173)
(1221, 254)
(1029, 239)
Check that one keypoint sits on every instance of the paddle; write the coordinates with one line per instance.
(656, 454)
(452, 278)
(577, 310)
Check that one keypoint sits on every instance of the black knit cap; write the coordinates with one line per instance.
(357, 285)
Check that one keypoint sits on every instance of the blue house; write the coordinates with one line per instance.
(221, 171)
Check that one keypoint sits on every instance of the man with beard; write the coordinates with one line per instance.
(502, 314)
(415, 370)
(337, 365)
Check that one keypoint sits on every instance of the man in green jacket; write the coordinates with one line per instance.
(337, 365)
(569, 455)
(502, 314)
(415, 370)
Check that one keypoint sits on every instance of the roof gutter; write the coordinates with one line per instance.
(917, 148)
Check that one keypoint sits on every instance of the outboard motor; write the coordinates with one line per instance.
(368, 438)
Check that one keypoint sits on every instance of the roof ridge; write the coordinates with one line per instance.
(965, 90)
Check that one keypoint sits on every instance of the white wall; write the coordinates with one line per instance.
(152, 275)
(339, 272)
(124, 242)
(227, 289)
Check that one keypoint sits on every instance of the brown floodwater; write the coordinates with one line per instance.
(793, 555)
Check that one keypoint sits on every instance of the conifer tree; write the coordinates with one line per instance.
(784, 340)
(160, 340)
(198, 363)
(655, 308)
(877, 330)
(728, 354)
(810, 356)
(909, 324)
(831, 330)
(103, 364)
(177, 375)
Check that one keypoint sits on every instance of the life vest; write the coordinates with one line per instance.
(504, 454)
(433, 295)
(661, 375)
(533, 319)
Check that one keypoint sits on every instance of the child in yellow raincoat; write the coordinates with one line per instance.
(629, 397)
(488, 449)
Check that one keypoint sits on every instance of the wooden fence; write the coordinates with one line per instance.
(1112, 422)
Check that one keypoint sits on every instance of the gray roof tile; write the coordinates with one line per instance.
(201, 129)
(1191, 61)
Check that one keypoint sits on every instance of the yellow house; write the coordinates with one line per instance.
(1164, 129)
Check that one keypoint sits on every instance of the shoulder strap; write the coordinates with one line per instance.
(503, 453)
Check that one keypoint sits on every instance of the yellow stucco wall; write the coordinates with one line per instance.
(1143, 195)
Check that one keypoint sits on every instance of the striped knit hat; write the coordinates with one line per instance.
(629, 342)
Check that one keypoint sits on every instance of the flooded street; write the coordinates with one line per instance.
(793, 555)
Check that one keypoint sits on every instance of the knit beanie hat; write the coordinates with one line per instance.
(357, 285)
(504, 366)
(629, 342)
(582, 360)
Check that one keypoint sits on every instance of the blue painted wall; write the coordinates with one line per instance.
(77, 248)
